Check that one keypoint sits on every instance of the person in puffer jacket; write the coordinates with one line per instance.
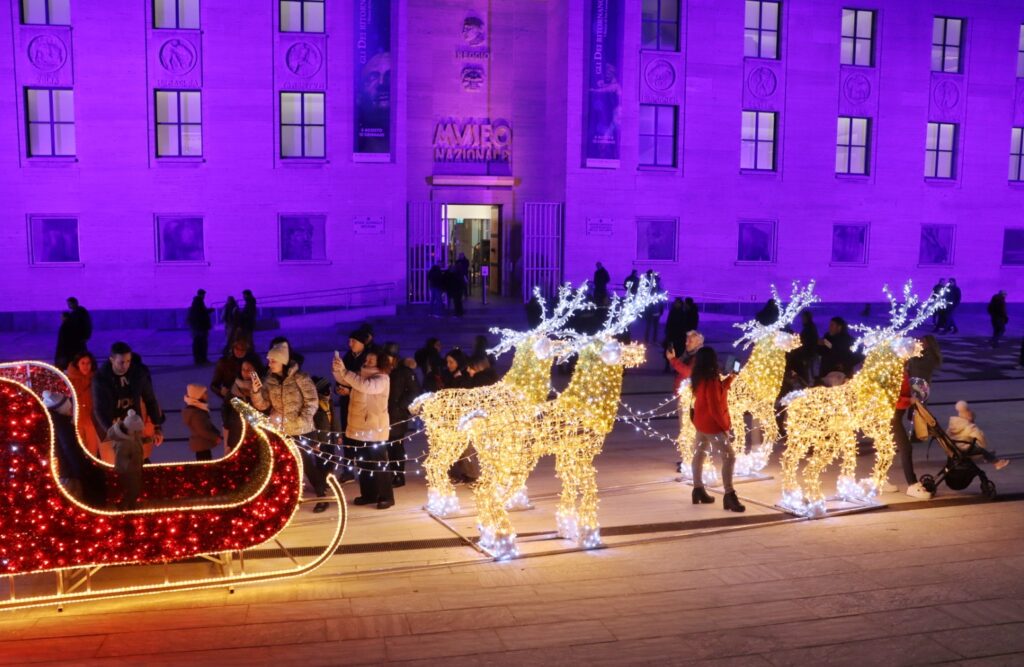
(291, 397)
(368, 425)
(963, 431)
(126, 434)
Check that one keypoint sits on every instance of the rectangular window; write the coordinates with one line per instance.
(179, 123)
(1017, 154)
(656, 239)
(1020, 52)
(858, 38)
(761, 29)
(302, 238)
(940, 151)
(852, 145)
(302, 15)
(936, 245)
(756, 242)
(53, 240)
(757, 141)
(180, 238)
(50, 114)
(1013, 246)
(659, 25)
(177, 14)
(46, 12)
(657, 135)
(302, 125)
(947, 41)
(850, 244)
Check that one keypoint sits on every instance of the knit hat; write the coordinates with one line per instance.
(362, 334)
(53, 400)
(279, 353)
(195, 391)
(132, 423)
(961, 407)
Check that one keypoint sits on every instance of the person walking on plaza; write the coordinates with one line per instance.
(231, 380)
(836, 350)
(402, 391)
(200, 323)
(247, 316)
(462, 270)
(435, 283)
(81, 325)
(203, 436)
(653, 313)
(631, 283)
(230, 316)
(369, 424)
(290, 395)
(953, 298)
(455, 288)
(80, 373)
(601, 280)
(710, 415)
(124, 383)
(937, 288)
(997, 313)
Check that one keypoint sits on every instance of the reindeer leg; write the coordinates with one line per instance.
(444, 449)
(885, 451)
(684, 442)
(568, 521)
(589, 535)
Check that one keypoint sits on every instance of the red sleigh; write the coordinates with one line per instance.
(214, 510)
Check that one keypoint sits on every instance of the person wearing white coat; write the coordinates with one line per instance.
(368, 426)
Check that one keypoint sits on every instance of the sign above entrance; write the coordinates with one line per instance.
(473, 146)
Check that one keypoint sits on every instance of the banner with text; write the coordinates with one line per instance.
(372, 77)
(603, 79)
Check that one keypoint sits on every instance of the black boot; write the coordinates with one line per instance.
(701, 496)
(731, 503)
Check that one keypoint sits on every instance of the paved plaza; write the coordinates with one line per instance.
(911, 582)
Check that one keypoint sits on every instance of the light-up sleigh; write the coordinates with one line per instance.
(195, 523)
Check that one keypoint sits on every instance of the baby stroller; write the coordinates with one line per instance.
(960, 469)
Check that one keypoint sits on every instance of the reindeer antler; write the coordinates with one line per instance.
(622, 312)
(799, 299)
(903, 317)
(570, 302)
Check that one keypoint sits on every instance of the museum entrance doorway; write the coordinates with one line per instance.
(474, 231)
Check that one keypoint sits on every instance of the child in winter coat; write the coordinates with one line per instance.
(964, 431)
(203, 436)
(126, 434)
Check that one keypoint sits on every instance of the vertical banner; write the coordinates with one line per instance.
(603, 79)
(372, 77)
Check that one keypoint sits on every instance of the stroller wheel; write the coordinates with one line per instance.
(928, 482)
(988, 488)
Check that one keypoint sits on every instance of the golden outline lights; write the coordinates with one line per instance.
(528, 381)
(512, 436)
(823, 422)
(755, 389)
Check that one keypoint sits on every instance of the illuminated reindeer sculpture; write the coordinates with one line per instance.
(828, 419)
(512, 437)
(527, 382)
(754, 390)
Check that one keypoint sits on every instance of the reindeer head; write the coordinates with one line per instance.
(552, 325)
(903, 318)
(622, 312)
(754, 332)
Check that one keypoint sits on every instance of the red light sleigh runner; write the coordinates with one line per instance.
(222, 507)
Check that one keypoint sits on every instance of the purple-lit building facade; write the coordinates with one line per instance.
(149, 147)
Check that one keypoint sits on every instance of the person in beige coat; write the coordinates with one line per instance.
(290, 395)
(203, 436)
(368, 425)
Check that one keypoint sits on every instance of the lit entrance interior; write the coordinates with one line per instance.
(475, 230)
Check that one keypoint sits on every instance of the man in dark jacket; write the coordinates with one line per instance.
(953, 298)
(601, 280)
(404, 388)
(122, 384)
(74, 333)
(200, 323)
(247, 316)
(631, 283)
(435, 283)
(769, 314)
(997, 313)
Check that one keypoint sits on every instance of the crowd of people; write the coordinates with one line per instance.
(354, 419)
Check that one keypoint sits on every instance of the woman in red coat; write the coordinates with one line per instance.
(710, 416)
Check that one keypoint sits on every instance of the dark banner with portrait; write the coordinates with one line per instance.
(603, 81)
(372, 78)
